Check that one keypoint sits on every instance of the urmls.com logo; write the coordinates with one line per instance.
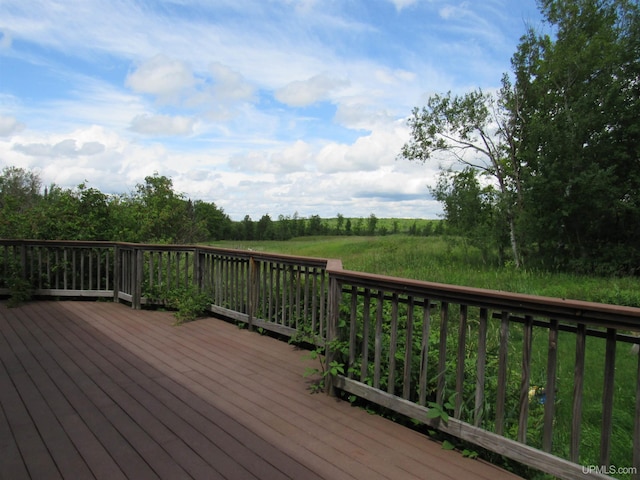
(608, 470)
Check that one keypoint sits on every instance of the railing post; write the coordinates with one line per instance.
(332, 330)
(252, 291)
(23, 261)
(137, 273)
(197, 269)
(117, 265)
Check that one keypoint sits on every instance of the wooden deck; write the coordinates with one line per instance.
(98, 390)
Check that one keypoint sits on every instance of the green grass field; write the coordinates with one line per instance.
(445, 260)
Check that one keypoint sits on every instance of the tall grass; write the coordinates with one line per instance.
(449, 260)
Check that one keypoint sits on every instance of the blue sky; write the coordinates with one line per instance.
(260, 106)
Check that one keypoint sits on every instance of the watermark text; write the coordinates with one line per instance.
(610, 470)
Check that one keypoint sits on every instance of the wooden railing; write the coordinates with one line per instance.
(280, 293)
(543, 381)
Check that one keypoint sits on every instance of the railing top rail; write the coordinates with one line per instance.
(264, 256)
(605, 315)
(58, 243)
(256, 255)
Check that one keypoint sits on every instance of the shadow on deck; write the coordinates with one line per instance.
(98, 390)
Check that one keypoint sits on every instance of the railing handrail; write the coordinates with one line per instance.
(601, 314)
(317, 261)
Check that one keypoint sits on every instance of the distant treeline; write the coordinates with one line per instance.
(155, 213)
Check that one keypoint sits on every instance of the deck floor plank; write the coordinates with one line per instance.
(98, 390)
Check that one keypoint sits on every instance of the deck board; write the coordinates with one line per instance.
(98, 390)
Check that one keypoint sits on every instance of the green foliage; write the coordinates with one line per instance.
(583, 136)
(470, 453)
(322, 371)
(188, 303)
(153, 213)
(472, 211)
(19, 193)
(20, 289)
(447, 445)
(437, 411)
(477, 133)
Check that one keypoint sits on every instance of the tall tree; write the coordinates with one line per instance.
(216, 223)
(470, 209)
(264, 228)
(19, 193)
(162, 214)
(476, 130)
(582, 142)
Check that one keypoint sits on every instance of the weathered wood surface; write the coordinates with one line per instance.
(98, 390)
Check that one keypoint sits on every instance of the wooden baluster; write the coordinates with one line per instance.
(424, 352)
(478, 410)
(393, 345)
(408, 351)
(550, 387)
(578, 387)
(366, 320)
(607, 397)
(378, 341)
(353, 328)
(462, 344)
(525, 382)
(502, 372)
(442, 358)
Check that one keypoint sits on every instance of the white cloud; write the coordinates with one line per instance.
(296, 157)
(168, 79)
(367, 153)
(162, 125)
(229, 85)
(9, 126)
(400, 4)
(363, 117)
(303, 93)
(65, 148)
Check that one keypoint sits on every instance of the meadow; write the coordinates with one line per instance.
(450, 260)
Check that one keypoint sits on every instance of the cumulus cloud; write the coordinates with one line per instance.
(363, 117)
(229, 85)
(297, 157)
(64, 148)
(9, 126)
(162, 125)
(166, 78)
(367, 153)
(303, 93)
(221, 93)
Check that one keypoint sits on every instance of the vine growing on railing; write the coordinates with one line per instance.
(321, 373)
(339, 347)
(20, 288)
(187, 303)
